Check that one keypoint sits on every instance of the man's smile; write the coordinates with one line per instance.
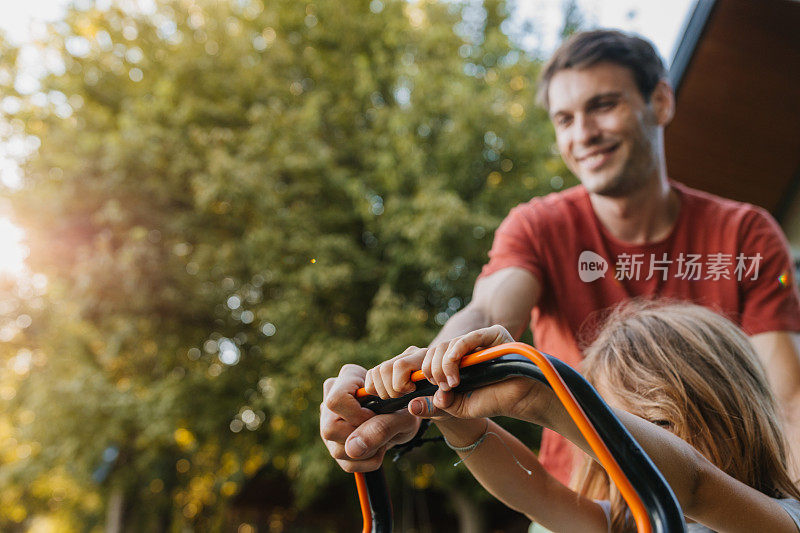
(598, 157)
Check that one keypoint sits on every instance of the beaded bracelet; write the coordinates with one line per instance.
(470, 448)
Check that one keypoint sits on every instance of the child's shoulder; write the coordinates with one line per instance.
(792, 506)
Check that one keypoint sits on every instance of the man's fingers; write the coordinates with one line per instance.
(356, 448)
(352, 371)
(327, 385)
(346, 406)
(379, 431)
(354, 435)
(340, 397)
(445, 399)
(442, 403)
(333, 428)
(349, 465)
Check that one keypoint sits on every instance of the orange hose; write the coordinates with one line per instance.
(638, 509)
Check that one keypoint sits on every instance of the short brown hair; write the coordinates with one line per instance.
(589, 48)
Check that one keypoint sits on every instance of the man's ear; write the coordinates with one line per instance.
(663, 102)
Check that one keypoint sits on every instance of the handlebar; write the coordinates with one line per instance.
(653, 505)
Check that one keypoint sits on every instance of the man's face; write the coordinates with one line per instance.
(607, 134)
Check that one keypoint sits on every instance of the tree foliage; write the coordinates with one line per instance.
(229, 200)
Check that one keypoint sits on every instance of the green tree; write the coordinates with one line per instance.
(229, 201)
(573, 18)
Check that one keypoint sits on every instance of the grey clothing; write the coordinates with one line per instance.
(790, 505)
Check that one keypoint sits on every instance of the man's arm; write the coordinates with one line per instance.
(506, 297)
(780, 354)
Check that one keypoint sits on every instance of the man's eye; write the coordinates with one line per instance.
(563, 121)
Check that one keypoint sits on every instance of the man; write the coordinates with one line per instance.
(627, 231)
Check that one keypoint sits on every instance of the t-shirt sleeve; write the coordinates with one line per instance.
(605, 505)
(792, 507)
(514, 244)
(770, 299)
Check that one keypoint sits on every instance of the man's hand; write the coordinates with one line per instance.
(355, 436)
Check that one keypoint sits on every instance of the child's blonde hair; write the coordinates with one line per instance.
(695, 373)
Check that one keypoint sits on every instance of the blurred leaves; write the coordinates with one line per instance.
(229, 200)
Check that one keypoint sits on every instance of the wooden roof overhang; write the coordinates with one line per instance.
(736, 131)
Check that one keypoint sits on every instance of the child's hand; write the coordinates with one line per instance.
(521, 398)
(518, 398)
(441, 364)
(392, 378)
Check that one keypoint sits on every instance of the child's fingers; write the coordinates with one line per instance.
(443, 399)
(457, 349)
(452, 359)
(438, 375)
(369, 384)
(386, 370)
(497, 334)
(377, 382)
(426, 365)
(374, 380)
(382, 380)
(466, 344)
(424, 407)
(403, 367)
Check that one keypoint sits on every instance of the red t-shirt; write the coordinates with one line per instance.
(729, 256)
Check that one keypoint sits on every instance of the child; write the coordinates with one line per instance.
(684, 381)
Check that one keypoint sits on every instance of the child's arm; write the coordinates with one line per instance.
(706, 494)
(498, 462)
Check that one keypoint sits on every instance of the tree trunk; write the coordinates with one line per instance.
(115, 511)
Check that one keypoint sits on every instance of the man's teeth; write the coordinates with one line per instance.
(599, 155)
(596, 157)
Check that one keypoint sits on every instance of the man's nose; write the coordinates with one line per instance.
(586, 130)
